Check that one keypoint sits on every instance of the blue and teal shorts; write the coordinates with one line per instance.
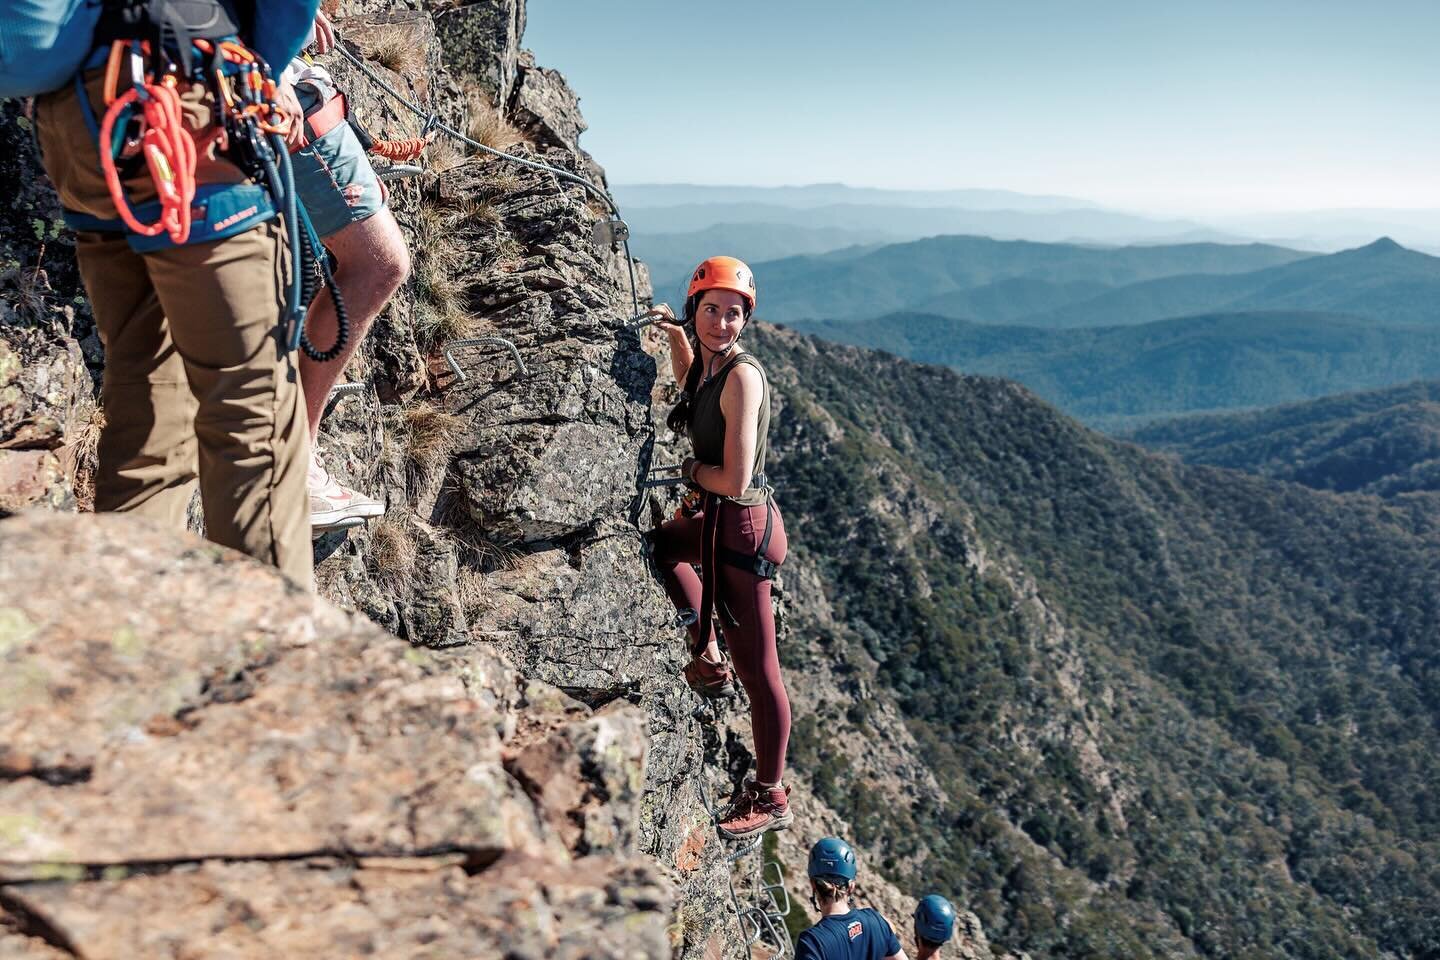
(332, 174)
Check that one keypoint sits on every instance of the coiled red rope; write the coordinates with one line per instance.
(169, 152)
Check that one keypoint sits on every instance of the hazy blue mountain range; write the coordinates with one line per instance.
(911, 214)
(672, 256)
(986, 280)
(1382, 280)
(1112, 377)
(1385, 442)
(631, 196)
(1083, 225)
(1336, 229)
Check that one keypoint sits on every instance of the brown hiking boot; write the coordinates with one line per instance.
(711, 680)
(756, 811)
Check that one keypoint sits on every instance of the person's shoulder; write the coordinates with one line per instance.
(748, 372)
(808, 945)
(749, 363)
(876, 917)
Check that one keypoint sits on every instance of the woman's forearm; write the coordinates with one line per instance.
(681, 356)
(717, 480)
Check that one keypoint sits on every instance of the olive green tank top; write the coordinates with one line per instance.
(707, 428)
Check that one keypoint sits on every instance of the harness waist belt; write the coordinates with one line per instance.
(221, 210)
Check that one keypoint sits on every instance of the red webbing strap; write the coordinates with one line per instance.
(327, 117)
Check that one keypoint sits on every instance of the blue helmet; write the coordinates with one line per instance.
(832, 857)
(934, 918)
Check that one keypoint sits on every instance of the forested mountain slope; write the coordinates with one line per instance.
(1157, 710)
(1110, 376)
(1385, 442)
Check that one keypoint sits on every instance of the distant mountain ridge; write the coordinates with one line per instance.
(1382, 280)
(671, 256)
(983, 279)
(826, 194)
(1384, 442)
(1046, 226)
(1114, 377)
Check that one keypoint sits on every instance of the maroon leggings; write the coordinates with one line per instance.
(751, 636)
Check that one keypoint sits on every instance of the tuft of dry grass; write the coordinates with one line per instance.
(84, 458)
(431, 438)
(499, 180)
(396, 48)
(477, 213)
(477, 551)
(439, 292)
(485, 124)
(393, 552)
(443, 155)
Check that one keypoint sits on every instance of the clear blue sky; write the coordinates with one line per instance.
(1167, 105)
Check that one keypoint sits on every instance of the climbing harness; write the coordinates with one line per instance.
(712, 553)
(617, 234)
(159, 49)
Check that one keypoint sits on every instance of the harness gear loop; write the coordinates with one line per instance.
(167, 146)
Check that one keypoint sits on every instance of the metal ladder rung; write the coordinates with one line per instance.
(449, 351)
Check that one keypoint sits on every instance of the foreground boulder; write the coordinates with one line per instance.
(197, 759)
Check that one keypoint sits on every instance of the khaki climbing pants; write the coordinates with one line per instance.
(198, 382)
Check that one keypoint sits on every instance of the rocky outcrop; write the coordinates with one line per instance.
(224, 766)
(482, 41)
(544, 104)
(45, 416)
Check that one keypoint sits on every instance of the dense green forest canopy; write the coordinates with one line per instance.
(1385, 442)
(1173, 710)
(1113, 376)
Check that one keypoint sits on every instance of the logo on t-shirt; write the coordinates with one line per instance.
(855, 929)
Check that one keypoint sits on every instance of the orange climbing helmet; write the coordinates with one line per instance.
(723, 273)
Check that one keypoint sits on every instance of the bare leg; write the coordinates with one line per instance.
(373, 262)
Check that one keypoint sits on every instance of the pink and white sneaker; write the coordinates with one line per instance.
(334, 506)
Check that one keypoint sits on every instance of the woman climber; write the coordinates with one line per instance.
(733, 529)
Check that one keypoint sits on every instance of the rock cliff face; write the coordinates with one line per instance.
(226, 767)
(199, 762)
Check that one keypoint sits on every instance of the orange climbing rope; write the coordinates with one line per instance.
(401, 151)
(169, 154)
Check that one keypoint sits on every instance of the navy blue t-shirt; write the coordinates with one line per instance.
(857, 935)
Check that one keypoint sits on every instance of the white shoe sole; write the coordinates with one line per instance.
(350, 524)
(356, 511)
